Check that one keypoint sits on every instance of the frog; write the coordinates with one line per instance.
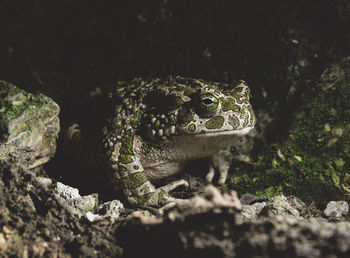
(156, 127)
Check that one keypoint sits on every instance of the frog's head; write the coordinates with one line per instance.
(200, 108)
(217, 109)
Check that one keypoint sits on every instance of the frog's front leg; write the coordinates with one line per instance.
(219, 162)
(136, 185)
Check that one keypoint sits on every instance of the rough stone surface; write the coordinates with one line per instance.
(336, 209)
(72, 197)
(29, 126)
(253, 211)
(111, 210)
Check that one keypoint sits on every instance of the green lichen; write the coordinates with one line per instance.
(14, 102)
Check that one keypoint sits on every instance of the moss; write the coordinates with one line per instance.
(312, 161)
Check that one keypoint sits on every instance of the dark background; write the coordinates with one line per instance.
(65, 49)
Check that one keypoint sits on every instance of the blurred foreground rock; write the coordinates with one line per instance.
(222, 230)
(29, 126)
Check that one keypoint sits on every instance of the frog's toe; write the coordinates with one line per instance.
(223, 172)
(171, 204)
(171, 186)
(210, 175)
(223, 176)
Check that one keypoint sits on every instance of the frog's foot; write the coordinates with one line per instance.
(220, 163)
(161, 197)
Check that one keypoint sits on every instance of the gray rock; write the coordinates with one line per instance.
(72, 197)
(281, 205)
(253, 211)
(336, 209)
(111, 210)
(88, 205)
(29, 126)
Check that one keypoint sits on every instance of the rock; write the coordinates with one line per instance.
(336, 209)
(91, 216)
(29, 126)
(253, 211)
(110, 210)
(72, 197)
(281, 205)
(248, 199)
(210, 199)
(222, 232)
(88, 205)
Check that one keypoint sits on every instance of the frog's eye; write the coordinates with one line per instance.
(209, 103)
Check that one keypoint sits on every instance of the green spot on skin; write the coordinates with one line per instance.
(118, 123)
(215, 123)
(143, 200)
(245, 116)
(179, 102)
(157, 124)
(122, 168)
(237, 94)
(252, 118)
(126, 158)
(117, 109)
(162, 197)
(172, 120)
(186, 118)
(127, 145)
(233, 121)
(134, 180)
(191, 127)
(230, 104)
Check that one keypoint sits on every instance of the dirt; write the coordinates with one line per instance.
(34, 223)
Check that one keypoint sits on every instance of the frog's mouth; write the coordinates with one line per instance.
(221, 133)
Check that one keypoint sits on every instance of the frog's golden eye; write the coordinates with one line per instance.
(209, 103)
